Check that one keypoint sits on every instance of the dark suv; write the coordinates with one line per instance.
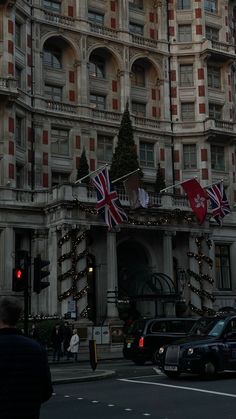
(146, 336)
(210, 347)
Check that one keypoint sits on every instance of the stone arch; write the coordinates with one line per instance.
(110, 49)
(65, 38)
(152, 61)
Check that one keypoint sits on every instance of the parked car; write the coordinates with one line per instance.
(209, 348)
(146, 336)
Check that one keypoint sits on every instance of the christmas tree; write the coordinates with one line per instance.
(160, 181)
(125, 159)
(83, 169)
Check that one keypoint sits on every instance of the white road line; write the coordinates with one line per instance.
(128, 409)
(66, 395)
(110, 405)
(95, 401)
(218, 393)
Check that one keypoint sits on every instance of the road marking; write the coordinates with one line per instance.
(66, 395)
(80, 398)
(95, 401)
(217, 393)
(110, 405)
(146, 414)
(128, 409)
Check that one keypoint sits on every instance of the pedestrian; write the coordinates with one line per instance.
(33, 333)
(57, 339)
(74, 344)
(25, 380)
(66, 339)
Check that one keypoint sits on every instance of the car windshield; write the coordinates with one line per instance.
(136, 327)
(208, 327)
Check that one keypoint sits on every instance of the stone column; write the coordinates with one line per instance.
(168, 266)
(112, 284)
(52, 256)
(82, 73)
(194, 266)
(7, 255)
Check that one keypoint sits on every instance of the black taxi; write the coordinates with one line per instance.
(209, 348)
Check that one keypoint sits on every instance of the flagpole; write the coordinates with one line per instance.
(128, 174)
(215, 183)
(91, 173)
(176, 184)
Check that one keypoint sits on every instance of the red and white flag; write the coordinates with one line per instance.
(197, 198)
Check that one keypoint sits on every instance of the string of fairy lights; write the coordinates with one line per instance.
(200, 277)
(75, 239)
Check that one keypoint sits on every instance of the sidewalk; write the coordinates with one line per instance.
(69, 371)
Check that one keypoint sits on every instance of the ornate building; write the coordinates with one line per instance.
(67, 69)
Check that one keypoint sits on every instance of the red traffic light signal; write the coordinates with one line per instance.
(18, 280)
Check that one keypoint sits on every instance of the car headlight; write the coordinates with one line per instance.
(161, 350)
(190, 351)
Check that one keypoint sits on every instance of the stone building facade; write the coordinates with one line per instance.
(67, 70)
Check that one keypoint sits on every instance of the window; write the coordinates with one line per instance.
(18, 76)
(184, 33)
(53, 6)
(98, 101)
(53, 92)
(96, 18)
(217, 157)
(105, 148)
(18, 38)
(136, 4)
(210, 6)
(136, 29)
(60, 141)
(139, 109)
(59, 178)
(146, 154)
(222, 265)
(19, 176)
(52, 58)
(138, 76)
(215, 111)
(183, 4)
(187, 111)
(97, 67)
(212, 33)
(189, 156)
(19, 131)
(214, 77)
(186, 75)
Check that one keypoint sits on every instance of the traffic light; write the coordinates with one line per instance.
(20, 272)
(18, 280)
(39, 274)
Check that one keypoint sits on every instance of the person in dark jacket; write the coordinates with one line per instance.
(67, 333)
(57, 339)
(25, 379)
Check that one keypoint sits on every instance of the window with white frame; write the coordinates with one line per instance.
(214, 77)
(185, 33)
(187, 111)
(53, 92)
(212, 33)
(210, 6)
(95, 17)
(104, 148)
(136, 29)
(18, 34)
(59, 178)
(138, 75)
(186, 75)
(215, 111)
(98, 101)
(184, 4)
(97, 67)
(52, 5)
(189, 156)
(139, 109)
(146, 154)
(222, 267)
(19, 130)
(52, 58)
(217, 157)
(60, 141)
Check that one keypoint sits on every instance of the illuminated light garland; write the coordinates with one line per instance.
(200, 277)
(204, 311)
(201, 293)
(201, 257)
(84, 312)
(72, 254)
(81, 293)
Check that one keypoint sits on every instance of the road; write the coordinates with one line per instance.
(139, 392)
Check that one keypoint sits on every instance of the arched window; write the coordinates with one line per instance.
(97, 67)
(138, 76)
(52, 58)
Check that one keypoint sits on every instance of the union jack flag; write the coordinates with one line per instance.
(108, 204)
(219, 203)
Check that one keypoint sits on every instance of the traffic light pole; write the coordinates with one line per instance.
(25, 256)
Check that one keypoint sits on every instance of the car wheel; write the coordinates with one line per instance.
(209, 369)
(139, 361)
(172, 374)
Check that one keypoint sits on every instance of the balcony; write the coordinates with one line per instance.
(220, 129)
(59, 19)
(8, 88)
(60, 107)
(218, 51)
(103, 30)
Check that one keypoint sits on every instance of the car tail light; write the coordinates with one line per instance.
(141, 342)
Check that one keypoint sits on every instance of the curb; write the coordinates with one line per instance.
(99, 376)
